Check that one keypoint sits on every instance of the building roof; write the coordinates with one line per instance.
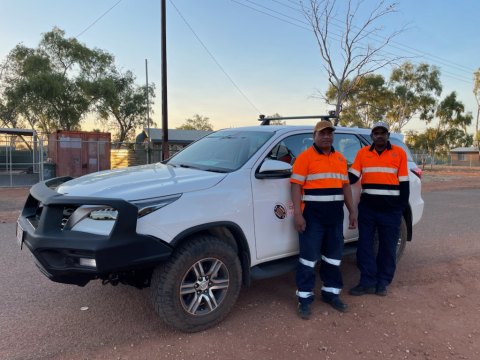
(12, 131)
(471, 149)
(174, 135)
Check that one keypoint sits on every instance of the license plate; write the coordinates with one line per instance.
(19, 235)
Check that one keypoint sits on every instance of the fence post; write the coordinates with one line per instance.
(98, 155)
(40, 144)
(9, 150)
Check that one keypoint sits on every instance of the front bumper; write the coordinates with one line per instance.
(58, 250)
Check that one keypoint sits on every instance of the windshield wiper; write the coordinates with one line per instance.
(217, 170)
(189, 166)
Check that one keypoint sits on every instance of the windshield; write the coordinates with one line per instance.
(221, 151)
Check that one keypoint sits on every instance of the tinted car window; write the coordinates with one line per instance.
(348, 145)
(223, 151)
(400, 143)
(289, 148)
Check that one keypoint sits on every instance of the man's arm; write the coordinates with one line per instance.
(352, 212)
(355, 170)
(299, 220)
(404, 181)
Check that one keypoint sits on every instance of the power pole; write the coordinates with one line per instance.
(165, 152)
(148, 114)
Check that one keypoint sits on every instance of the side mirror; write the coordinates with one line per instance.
(274, 169)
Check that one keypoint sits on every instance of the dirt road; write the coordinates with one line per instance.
(431, 312)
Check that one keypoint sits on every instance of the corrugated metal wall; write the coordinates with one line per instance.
(76, 153)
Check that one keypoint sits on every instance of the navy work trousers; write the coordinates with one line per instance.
(379, 270)
(319, 242)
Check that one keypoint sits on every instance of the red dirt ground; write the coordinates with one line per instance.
(440, 321)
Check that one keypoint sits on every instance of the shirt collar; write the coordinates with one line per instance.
(389, 146)
(320, 150)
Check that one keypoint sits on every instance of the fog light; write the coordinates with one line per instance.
(88, 262)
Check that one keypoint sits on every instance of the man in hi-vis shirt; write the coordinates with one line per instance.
(320, 187)
(385, 190)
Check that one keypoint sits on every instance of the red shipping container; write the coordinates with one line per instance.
(76, 153)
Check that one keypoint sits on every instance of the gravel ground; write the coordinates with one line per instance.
(431, 311)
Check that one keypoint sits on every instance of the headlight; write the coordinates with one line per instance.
(104, 214)
(147, 206)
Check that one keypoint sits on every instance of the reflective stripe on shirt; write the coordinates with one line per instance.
(380, 170)
(355, 172)
(381, 192)
(322, 197)
(403, 178)
(327, 176)
(298, 177)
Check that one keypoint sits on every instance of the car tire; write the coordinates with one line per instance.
(198, 286)
(402, 240)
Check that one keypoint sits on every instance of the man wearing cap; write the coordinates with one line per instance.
(385, 191)
(320, 187)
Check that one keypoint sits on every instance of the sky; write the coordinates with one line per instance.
(231, 60)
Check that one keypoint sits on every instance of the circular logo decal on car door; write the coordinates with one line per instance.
(280, 211)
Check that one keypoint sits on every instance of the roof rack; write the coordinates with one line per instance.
(266, 121)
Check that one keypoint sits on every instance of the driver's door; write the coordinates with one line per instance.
(273, 208)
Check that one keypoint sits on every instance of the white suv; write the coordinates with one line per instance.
(194, 228)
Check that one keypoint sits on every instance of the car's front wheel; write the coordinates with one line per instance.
(198, 286)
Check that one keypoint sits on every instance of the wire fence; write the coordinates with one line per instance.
(21, 160)
(470, 159)
(26, 160)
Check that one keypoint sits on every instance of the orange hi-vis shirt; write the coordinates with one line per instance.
(384, 176)
(322, 178)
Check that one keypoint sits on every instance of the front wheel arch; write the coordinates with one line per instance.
(229, 232)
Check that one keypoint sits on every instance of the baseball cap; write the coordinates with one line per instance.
(324, 124)
(380, 124)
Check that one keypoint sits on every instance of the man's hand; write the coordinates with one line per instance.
(352, 219)
(300, 223)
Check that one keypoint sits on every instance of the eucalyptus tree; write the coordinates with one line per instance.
(197, 122)
(367, 103)
(451, 114)
(122, 104)
(47, 87)
(448, 130)
(351, 46)
(414, 92)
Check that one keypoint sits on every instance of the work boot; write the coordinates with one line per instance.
(362, 290)
(336, 303)
(304, 311)
(381, 290)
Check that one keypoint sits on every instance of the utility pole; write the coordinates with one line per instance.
(148, 114)
(165, 152)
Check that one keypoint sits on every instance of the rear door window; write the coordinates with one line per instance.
(348, 145)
